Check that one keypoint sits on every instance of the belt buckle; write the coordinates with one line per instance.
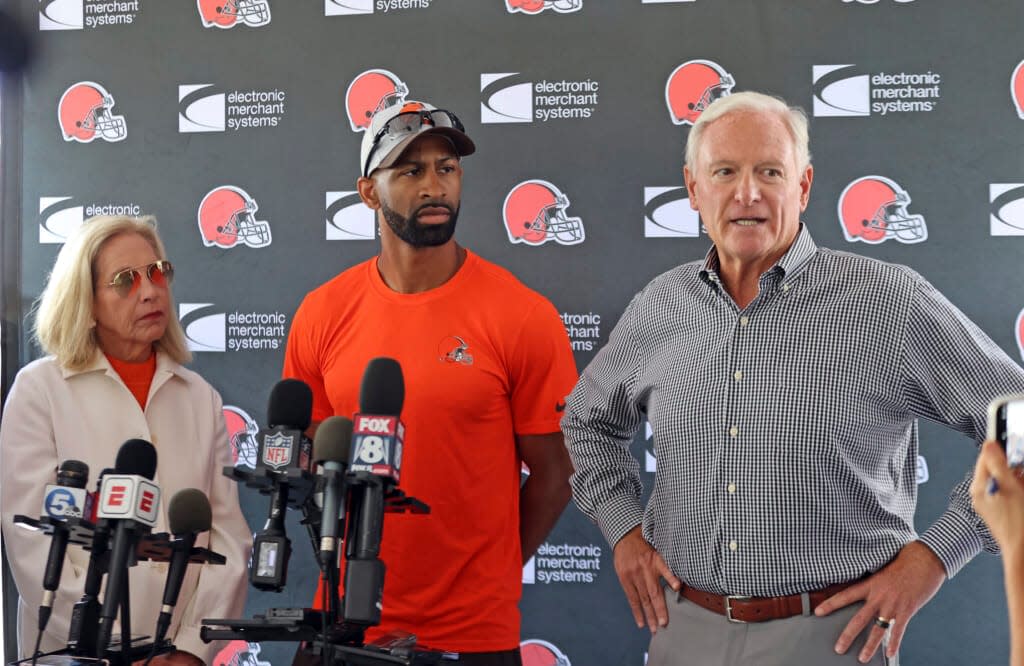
(728, 607)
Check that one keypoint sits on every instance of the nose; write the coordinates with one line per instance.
(147, 289)
(748, 190)
(432, 187)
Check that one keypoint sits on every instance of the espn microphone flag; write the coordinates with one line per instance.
(129, 497)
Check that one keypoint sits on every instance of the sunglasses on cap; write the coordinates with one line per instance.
(127, 282)
(411, 122)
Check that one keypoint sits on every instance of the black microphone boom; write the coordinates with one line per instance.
(188, 514)
(331, 449)
(132, 503)
(71, 474)
(284, 456)
(374, 468)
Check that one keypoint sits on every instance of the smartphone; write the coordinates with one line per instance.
(1006, 426)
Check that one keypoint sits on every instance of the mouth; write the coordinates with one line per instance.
(749, 221)
(434, 215)
(153, 316)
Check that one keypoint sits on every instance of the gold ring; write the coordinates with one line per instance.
(883, 622)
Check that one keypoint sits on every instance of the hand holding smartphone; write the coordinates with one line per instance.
(1006, 426)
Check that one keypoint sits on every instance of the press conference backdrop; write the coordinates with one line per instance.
(239, 125)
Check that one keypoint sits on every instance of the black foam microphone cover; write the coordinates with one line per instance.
(73, 474)
(290, 404)
(383, 387)
(136, 456)
(333, 440)
(188, 512)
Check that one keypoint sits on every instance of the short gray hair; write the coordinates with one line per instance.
(64, 324)
(794, 118)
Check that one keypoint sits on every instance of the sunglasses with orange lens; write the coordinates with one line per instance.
(127, 282)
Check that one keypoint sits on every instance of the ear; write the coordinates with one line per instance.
(805, 187)
(367, 188)
(691, 186)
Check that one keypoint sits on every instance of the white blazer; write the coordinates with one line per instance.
(53, 414)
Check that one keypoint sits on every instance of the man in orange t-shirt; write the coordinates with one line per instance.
(487, 365)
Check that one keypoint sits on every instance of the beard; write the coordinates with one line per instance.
(421, 235)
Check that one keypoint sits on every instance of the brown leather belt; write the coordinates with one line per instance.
(759, 609)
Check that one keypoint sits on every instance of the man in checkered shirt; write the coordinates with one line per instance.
(783, 383)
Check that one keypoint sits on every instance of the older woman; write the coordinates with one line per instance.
(106, 319)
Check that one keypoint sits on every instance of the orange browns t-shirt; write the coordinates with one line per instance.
(483, 358)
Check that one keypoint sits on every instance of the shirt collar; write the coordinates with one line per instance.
(164, 366)
(791, 264)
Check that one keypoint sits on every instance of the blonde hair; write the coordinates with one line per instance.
(64, 322)
(793, 117)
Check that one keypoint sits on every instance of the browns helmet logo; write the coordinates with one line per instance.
(1017, 88)
(536, 652)
(227, 217)
(537, 6)
(240, 653)
(371, 91)
(873, 209)
(85, 112)
(229, 13)
(534, 213)
(242, 431)
(692, 87)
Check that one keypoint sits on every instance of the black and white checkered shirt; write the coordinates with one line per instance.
(786, 432)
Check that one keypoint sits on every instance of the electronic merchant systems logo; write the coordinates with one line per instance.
(356, 7)
(204, 107)
(369, 92)
(693, 86)
(225, 14)
(537, 6)
(1006, 209)
(212, 329)
(85, 112)
(348, 218)
(849, 90)
(60, 216)
(534, 213)
(509, 98)
(584, 330)
(873, 209)
(563, 563)
(668, 214)
(86, 14)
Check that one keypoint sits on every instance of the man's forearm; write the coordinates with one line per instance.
(541, 501)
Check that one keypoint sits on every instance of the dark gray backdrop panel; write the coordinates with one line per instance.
(946, 159)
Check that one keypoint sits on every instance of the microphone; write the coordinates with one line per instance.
(131, 500)
(67, 499)
(283, 443)
(188, 514)
(85, 614)
(331, 449)
(283, 449)
(374, 468)
(378, 433)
